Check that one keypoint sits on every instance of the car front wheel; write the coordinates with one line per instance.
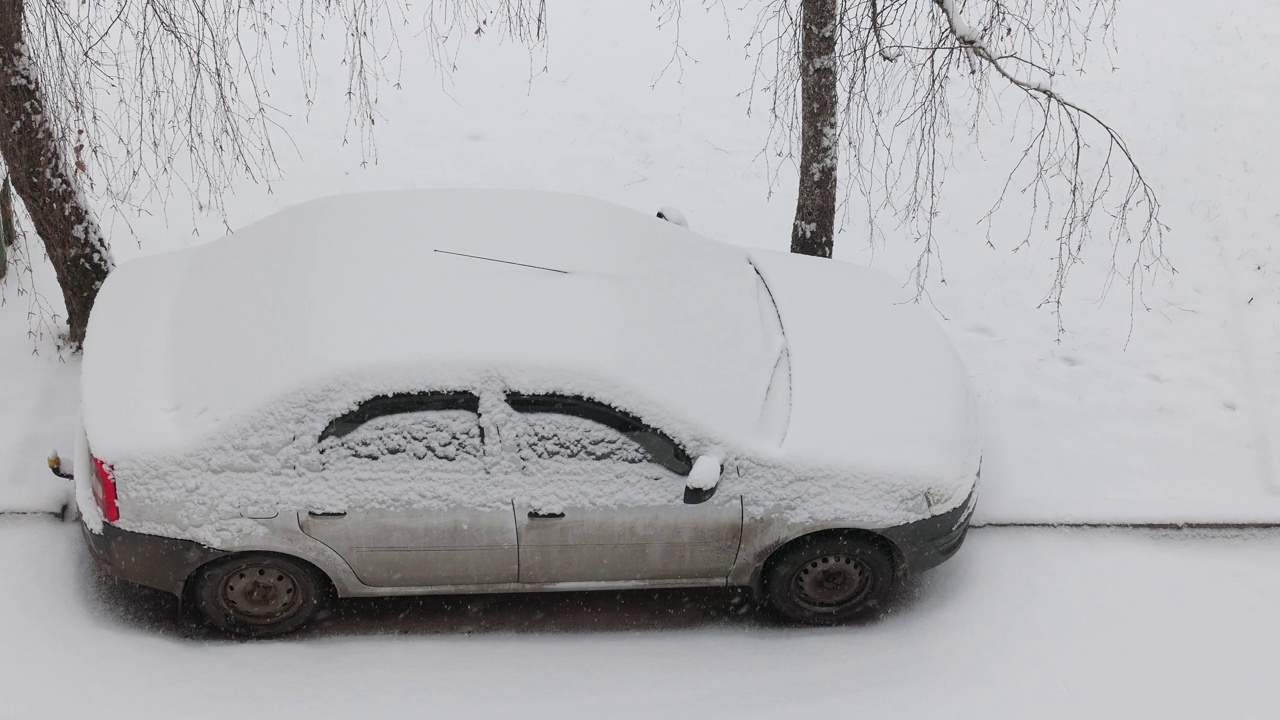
(259, 594)
(828, 579)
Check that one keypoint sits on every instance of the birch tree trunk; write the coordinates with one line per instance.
(813, 232)
(43, 179)
(7, 227)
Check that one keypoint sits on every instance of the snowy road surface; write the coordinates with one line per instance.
(1022, 624)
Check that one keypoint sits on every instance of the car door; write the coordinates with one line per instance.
(419, 442)
(601, 499)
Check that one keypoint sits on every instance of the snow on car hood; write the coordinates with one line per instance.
(876, 384)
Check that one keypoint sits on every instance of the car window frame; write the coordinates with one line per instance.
(646, 436)
(380, 406)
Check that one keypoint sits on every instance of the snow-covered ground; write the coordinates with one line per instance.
(1022, 624)
(38, 403)
(1174, 419)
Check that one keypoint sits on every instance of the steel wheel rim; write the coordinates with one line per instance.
(259, 593)
(830, 582)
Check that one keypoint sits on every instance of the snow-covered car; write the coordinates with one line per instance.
(428, 392)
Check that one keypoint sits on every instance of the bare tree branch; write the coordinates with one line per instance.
(130, 100)
(1085, 194)
(906, 67)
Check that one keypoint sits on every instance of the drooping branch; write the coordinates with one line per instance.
(907, 66)
(128, 101)
(1085, 194)
(180, 92)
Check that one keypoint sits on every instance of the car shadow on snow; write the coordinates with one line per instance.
(158, 613)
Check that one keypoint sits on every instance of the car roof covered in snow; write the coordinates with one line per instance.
(378, 291)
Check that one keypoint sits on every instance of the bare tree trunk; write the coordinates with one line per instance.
(813, 232)
(7, 230)
(45, 181)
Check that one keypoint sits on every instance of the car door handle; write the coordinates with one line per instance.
(340, 513)
(545, 516)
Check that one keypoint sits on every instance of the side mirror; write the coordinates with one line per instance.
(673, 215)
(703, 479)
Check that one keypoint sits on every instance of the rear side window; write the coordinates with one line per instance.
(401, 404)
(438, 438)
(650, 444)
(441, 429)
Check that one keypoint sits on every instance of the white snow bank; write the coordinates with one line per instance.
(38, 400)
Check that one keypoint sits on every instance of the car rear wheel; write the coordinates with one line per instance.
(259, 594)
(828, 579)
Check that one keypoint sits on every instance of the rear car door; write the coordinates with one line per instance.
(431, 438)
(602, 499)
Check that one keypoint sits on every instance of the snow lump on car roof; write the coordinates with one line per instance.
(379, 292)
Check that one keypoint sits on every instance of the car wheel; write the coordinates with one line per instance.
(259, 595)
(828, 579)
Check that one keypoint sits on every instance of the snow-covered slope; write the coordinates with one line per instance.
(39, 393)
(1169, 417)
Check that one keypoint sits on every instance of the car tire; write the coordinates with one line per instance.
(829, 578)
(259, 594)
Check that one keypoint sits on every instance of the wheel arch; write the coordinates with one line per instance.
(192, 581)
(759, 572)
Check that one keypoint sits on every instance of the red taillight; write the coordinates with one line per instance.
(104, 490)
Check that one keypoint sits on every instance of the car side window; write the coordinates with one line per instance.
(402, 403)
(442, 429)
(568, 427)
